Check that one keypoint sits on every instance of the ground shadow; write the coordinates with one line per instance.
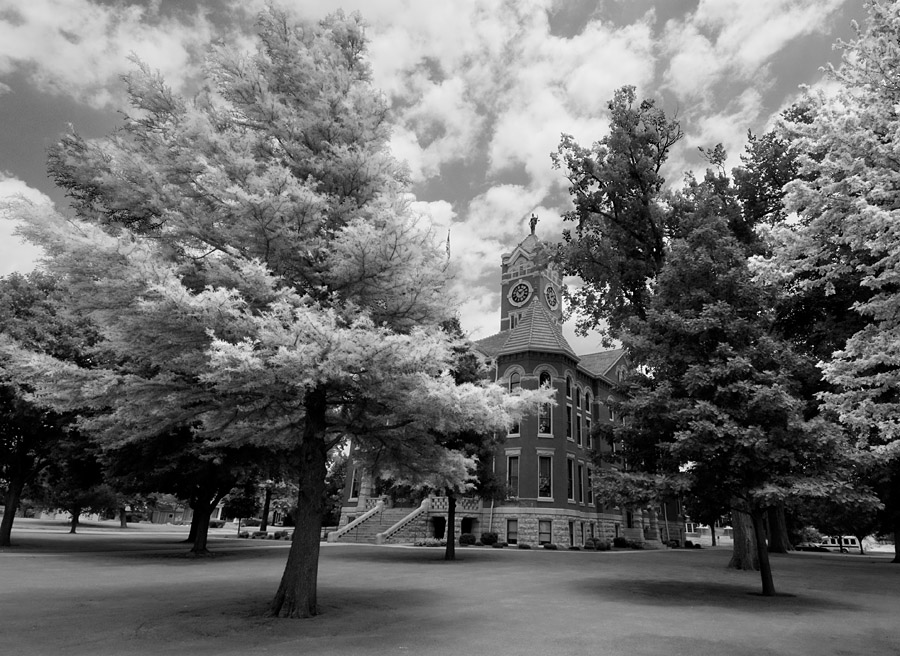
(713, 594)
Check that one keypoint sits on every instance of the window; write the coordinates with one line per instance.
(545, 477)
(590, 485)
(545, 411)
(588, 413)
(354, 484)
(571, 534)
(568, 387)
(578, 430)
(570, 478)
(512, 531)
(578, 398)
(545, 531)
(569, 422)
(580, 483)
(515, 384)
(512, 475)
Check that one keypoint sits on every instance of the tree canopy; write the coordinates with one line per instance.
(258, 274)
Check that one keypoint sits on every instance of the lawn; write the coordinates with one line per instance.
(134, 592)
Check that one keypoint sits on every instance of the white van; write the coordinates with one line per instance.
(843, 544)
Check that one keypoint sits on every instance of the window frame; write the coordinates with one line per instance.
(545, 528)
(549, 459)
(512, 537)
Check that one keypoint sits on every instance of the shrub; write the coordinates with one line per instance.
(489, 537)
(430, 542)
(591, 543)
(479, 543)
(251, 521)
(216, 523)
(524, 545)
(243, 534)
(551, 546)
(620, 542)
(467, 538)
(498, 545)
(574, 548)
(601, 545)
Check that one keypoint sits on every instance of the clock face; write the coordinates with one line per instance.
(550, 295)
(519, 293)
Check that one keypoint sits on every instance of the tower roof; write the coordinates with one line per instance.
(537, 331)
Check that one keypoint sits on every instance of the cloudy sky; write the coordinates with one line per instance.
(482, 90)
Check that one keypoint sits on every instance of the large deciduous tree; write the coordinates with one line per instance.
(259, 274)
(846, 242)
(31, 313)
(621, 225)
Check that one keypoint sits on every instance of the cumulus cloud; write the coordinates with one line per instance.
(15, 253)
(79, 48)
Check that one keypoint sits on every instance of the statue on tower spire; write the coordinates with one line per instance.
(533, 222)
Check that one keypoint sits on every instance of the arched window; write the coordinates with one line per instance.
(568, 387)
(515, 383)
(578, 398)
(545, 411)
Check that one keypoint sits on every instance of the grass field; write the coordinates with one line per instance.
(108, 591)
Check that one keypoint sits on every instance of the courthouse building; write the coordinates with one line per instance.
(546, 460)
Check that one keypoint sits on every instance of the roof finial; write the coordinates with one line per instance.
(533, 222)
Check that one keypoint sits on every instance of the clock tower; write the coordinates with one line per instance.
(526, 275)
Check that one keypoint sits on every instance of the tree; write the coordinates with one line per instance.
(31, 313)
(618, 243)
(845, 243)
(259, 274)
(717, 408)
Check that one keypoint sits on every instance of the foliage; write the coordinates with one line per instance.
(489, 538)
(467, 538)
(32, 315)
(618, 243)
(260, 276)
(845, 242)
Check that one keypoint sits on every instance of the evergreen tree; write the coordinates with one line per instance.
(259, 276)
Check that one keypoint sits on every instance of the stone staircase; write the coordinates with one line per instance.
(381, 521)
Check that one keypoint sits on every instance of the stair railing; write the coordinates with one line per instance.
(334, 536)
(425, 506)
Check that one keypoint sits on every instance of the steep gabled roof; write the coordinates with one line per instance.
(601, 364)
(490, 346)
(537, 331)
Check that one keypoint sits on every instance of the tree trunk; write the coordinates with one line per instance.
(450, 553)
(758, 518)
(11, 505)
(123, 518)
(779, 541)
(743, 555)
(264, 520)
(896, 539)
(200, 526)
(76, 513)
(296, 595)
(195, 517)
(712, 533)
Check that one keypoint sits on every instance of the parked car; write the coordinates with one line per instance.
(809, 546)
(842, 543)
